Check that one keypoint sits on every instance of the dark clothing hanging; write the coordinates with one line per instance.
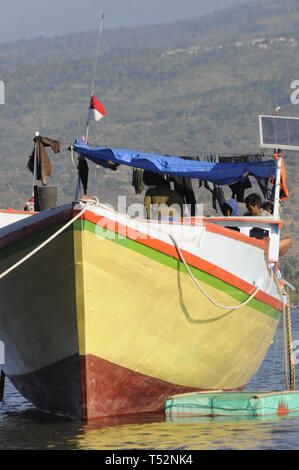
(83, 173)
(218, 197)
(207, 186)
(264, 186)
(108, 164)
(137, 180)
(155, 179)
(43, 162)
(257, 158)
(239, 188)
(184, 187)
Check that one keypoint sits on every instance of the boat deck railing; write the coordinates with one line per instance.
(254, 227)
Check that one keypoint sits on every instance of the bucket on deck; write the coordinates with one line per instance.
(46, 198)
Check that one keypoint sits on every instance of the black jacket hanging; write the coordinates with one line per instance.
(83, 173)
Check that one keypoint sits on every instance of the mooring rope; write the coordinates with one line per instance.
(290, 344)
(223, 307)
(285, 342)
(287, 337)
(42, 245)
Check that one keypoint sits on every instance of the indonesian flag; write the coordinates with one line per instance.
(96, 111)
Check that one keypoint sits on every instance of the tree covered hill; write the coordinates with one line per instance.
(195, 86)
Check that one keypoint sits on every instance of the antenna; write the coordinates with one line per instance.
(95, 72)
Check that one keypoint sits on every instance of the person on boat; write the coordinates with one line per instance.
(230, 208)
(254, 206)
(268, 206)
(258, 209)
(284, 245)
(168, 202)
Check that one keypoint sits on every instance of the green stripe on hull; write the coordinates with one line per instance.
(177, 265)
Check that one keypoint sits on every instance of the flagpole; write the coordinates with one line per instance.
(77, 193)
(34, 182)
(95, 72)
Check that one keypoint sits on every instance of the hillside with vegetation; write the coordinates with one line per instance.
(193, 87)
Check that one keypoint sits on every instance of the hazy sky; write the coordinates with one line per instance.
(31, 18)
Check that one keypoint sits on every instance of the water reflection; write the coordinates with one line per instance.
(32, 429)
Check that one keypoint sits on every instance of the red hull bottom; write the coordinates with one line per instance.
(112, 390)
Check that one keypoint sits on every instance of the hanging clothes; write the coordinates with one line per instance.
(218, 197)
(264, 187)
(83, 173)
(108, 164)
(184, 187)
(158, 201)
(42, 158)
(239, 188)
(137, 180)
(154, 179)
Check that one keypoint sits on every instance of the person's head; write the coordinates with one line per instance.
(253, 203)
(268, 207)
(230, 208)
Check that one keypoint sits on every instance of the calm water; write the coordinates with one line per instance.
(23, 426)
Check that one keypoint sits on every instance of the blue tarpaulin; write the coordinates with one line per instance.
(217, 173)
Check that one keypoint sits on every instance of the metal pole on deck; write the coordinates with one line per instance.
(2, 384)
(35, 194)
(277, 185)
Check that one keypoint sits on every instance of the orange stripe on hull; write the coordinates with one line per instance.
(191, 259)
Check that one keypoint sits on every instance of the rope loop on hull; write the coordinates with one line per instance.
(223, 307)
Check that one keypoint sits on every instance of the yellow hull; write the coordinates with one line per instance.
(148, 317)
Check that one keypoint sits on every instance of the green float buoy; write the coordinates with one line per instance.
(247, 404)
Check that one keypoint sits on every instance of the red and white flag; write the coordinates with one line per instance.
(97, 110)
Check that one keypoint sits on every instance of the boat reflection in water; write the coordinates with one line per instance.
(194, 433)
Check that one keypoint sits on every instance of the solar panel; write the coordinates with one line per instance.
(279, 132)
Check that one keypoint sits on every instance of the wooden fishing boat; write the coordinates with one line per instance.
(105, 314)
